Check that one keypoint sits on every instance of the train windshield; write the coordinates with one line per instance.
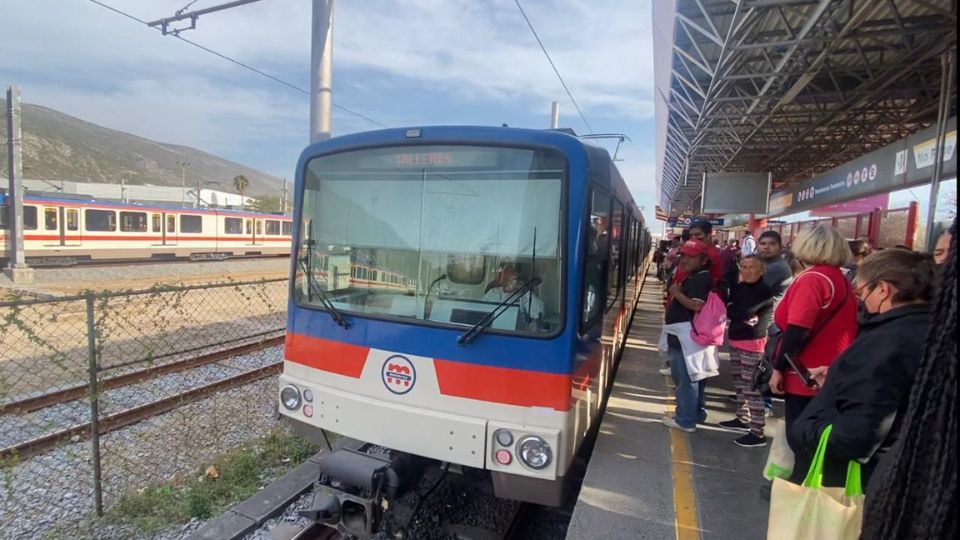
(437, 234)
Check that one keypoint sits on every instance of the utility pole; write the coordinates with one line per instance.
(198, 191)
(321, 70)
(283, 198)
(123, 189)
(17, 269)
(183, 183)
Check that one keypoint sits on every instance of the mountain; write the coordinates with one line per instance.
(57, 146)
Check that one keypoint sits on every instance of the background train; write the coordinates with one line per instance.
(60, 231)
(514, 250)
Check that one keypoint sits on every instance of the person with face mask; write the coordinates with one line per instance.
(864, 394)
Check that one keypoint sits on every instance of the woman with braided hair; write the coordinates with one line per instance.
(914, 492)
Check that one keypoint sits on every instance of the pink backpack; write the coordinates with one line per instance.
(710, 323)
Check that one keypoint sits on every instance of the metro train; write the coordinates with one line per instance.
(516, 249)
(62, 231)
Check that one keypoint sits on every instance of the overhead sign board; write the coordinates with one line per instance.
(735, 193)
(904, 163)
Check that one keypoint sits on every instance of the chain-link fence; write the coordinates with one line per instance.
(104, 393)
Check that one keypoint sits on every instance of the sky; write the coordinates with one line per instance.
(400, 62)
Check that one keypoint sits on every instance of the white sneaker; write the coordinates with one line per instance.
(672, 423)
(665, 371)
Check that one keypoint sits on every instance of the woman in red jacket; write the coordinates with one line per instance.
(818, 318)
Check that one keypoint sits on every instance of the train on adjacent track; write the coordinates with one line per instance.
(66, 231)
(514, 256)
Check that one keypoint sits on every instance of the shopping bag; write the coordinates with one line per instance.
(813, 512)
(780, 459)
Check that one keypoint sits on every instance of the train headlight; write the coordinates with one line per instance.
(290, 397)
(534, 452)
(504, 437)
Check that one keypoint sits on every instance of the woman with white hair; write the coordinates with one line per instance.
(817, 318)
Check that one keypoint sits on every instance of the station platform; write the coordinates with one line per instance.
(646, 481)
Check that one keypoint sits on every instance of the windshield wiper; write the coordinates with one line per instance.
(324, 299)
(479, 328)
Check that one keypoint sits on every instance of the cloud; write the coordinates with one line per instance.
(473, 60)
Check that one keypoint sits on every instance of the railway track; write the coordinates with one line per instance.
(112, 422)
(72, 393)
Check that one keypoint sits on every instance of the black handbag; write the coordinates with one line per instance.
(761, 377)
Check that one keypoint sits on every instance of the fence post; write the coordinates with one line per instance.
(92, 364)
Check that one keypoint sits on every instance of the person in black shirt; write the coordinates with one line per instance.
(750, 311)
(688, 297)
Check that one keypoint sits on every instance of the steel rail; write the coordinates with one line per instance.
(30, 404)
(133, 415)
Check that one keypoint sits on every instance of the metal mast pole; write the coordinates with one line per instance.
(17, 269)
(949, 65)
(555, 115)
(283, 198)
(198, 191)
(183, 183)
(321, 70)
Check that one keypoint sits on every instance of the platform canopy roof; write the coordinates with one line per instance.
(792, 87)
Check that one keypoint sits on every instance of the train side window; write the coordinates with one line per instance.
(273, 227)
(232, 225)
(73, 219)
(171, 224)
(155, 222)
(248, 226)
(191, 224)
(100, 220)
(616, 253)
(597, 244)
(285, 228)
(259, 227)
(133, 221)
(4, 209)
(50, 218)
(29, 218)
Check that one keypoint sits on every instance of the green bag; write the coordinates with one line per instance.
(813, 512)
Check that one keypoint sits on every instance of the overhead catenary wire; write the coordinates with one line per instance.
(554, 66)
(238, 63)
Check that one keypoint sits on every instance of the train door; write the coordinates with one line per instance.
(257, 237)
(70, 234)
(169, 235)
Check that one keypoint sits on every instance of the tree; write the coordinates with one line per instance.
(241, 183)
(266, 203)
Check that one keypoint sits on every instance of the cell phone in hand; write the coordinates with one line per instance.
(802, 371)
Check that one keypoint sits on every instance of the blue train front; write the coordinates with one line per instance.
(458, 294)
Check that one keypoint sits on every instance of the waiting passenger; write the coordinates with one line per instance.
(749, 244)
(750, 311)
(941, 250)
(913, 492)
(818, 319)
(531, 307)
(778, 275)
(860, 249)
(864, 394)
(688, 298)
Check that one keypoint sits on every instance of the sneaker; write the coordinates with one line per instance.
(751, 440)
(672, 423)
(736, 424)
(665, 371)
(768, 413)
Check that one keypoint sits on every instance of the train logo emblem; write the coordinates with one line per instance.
(398, 374)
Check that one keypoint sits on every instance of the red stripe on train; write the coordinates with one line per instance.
(503, 385)
(326, 355)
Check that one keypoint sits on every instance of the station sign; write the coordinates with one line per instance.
(904, 163)
(686, 221)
